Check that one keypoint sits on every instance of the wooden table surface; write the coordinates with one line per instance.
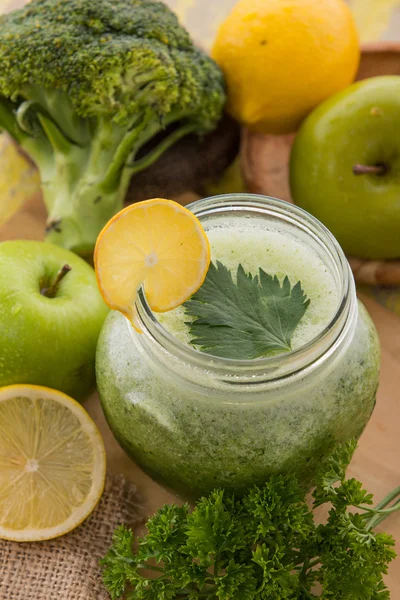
(376, 462)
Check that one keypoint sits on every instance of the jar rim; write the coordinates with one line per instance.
(282, 364)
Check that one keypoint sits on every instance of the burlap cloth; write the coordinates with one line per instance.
(67, 568)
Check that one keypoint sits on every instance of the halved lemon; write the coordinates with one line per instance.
(52, 463)
(158, 244)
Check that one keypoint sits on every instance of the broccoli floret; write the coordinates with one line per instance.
(86, 88)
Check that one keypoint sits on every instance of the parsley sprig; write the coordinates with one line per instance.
(265, 546)
(253, 317)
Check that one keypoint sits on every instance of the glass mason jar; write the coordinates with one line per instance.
(195, 422)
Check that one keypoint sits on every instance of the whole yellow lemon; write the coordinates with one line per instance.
(281, 58)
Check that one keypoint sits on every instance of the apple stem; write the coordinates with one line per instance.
(380, 169)
(52, 290)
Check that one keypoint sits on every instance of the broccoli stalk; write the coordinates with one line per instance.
(95, 92)
(84, 183)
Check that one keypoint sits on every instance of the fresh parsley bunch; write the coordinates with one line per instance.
(264, 546)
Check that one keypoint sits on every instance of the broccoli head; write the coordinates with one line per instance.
(95, 91)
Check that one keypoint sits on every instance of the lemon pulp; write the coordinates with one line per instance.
(52, 463)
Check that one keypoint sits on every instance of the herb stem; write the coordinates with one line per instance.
(367, 509)
(314, 562)
(392, 509)
(205, 594)
(215, 568)
(381, 516)
(151, 568)
(387, 499)
(302, 575)
(199, 595)
(304, 559)
(380, 511)
(383, 511)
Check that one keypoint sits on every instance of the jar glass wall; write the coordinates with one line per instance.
(195, 422)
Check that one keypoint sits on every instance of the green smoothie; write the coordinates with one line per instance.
(195, 422)
(254, 246)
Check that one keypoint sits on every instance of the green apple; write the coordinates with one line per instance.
(51, 314)
(345, 167)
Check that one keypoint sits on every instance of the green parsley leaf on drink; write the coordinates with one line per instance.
(252, 317)
(264, 546)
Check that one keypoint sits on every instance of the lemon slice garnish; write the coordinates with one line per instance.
(158, 244)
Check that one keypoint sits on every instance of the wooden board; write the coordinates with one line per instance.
(376, 463)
